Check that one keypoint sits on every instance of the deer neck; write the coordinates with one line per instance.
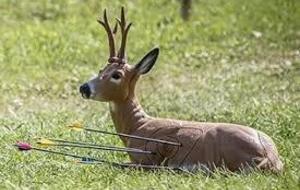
(127, 115)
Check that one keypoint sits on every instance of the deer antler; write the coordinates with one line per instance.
(124, 32)
(110, 34)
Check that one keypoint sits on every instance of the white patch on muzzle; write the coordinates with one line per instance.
(92, 85)
(113, 107)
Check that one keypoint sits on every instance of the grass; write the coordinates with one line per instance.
(234, 61)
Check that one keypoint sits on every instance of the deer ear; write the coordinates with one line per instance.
(145, 65)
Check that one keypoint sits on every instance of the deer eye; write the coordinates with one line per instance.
(116, 75)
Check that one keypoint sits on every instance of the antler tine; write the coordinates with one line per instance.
(110, 35)
(124, 32)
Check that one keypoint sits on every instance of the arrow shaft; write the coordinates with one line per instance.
(134, 137)
(119, 149)
(68, 154)
(88, 144)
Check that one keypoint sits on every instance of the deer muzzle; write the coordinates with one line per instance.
(85, 90)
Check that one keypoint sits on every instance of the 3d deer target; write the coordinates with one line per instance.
(183, 144)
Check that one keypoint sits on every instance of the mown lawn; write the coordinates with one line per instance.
(233, 61)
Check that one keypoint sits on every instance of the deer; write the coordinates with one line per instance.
(196, 145)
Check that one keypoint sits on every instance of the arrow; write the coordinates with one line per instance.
(48, 142)
(23, 146)
(79, 127)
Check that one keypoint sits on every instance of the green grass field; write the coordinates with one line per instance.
(234, 61)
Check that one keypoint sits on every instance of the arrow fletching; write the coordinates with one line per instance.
(77, 126)
(86, 161)
(23, 146)
(45, 142)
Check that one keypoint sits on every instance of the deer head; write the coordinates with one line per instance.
(116, 81)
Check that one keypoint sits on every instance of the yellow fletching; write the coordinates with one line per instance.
(45, 142)
(77, 126)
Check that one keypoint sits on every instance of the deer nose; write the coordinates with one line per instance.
(85, 90)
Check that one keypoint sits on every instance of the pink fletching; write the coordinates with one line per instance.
(23, 146)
